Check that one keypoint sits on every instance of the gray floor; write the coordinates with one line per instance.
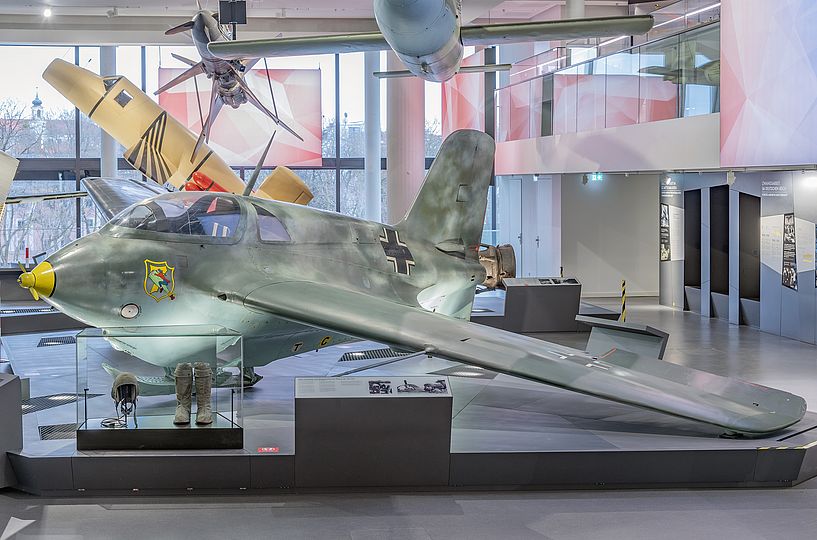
(706, 344)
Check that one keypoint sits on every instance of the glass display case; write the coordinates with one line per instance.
(159, 388)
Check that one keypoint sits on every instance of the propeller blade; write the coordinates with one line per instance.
(255, 101)
(181, 58)
(34, 293)
(269, 82)
(257, 171)
(215, 107)
(198, 100)
(179, 28)
(22, 268)
(192, 72)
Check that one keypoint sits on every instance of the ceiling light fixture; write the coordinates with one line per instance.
(47, 12)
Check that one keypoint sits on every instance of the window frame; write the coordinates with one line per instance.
(256, 207)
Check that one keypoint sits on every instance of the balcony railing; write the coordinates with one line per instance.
(672, 77)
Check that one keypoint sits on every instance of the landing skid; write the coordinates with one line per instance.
(165, 385)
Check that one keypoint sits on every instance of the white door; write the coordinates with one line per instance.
(508, 216)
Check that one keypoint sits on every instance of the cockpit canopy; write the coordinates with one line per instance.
(186, 213)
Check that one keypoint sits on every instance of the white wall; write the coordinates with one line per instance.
(691, 143)
(610, 233)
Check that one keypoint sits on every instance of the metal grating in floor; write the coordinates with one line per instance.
(56, 432)
(56, 340)
(42, 403)
(26, 311)
(371, 354)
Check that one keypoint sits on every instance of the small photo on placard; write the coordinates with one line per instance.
(664, 234)
(789, 272)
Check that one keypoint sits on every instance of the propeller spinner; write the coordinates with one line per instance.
(40, 281)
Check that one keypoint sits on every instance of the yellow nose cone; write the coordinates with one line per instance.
(41, 279)
(27, 280)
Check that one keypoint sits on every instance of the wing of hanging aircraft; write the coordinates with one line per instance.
(428, 38)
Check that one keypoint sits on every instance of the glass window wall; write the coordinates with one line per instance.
(43, 132)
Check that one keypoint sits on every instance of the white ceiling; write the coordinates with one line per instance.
(496, 9)
(144, 21)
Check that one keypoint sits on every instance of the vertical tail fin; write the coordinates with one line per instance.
(449, 210)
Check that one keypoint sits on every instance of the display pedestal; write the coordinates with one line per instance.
(537, 305)
(11, 425)
(370, 431)
(159, 433)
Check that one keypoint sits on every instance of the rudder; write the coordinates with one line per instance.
(449, 210)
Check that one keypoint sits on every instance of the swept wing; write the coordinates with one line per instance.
(734, 405)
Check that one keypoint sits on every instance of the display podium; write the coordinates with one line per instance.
(537, 305)
(101, 426)
(372, 431)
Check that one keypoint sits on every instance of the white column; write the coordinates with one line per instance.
(405, 139)
(371, 87)
(574, 9)
(107, 67)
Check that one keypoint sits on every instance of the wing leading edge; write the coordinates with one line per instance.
(487, 34)
(731, 404)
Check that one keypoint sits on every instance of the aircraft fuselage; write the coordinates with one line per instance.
(180, 278)
(425, 35)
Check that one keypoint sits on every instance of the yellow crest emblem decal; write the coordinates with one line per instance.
(159, 280)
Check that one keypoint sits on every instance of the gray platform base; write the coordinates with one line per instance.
(11, 425)
(243, 471)
(158, 433)
(692, 295)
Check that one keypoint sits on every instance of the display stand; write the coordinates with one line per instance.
(372, 431)
(548, 304)
(149, 426)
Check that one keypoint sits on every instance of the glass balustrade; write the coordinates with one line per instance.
(672, 77)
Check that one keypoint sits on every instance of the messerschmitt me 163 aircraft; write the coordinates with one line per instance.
(428, 37)
(291, 278)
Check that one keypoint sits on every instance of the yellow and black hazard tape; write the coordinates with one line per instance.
(623, 316)
(801, 447)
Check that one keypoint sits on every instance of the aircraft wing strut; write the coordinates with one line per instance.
(734, 405)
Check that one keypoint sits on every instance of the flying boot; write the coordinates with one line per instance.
(184, 393)
(204, 386)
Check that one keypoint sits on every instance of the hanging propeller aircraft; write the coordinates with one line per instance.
(229, 86)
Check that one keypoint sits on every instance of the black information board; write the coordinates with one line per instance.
(789, 252)
(664, 233)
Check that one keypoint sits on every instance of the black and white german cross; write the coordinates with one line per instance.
(396, 251)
